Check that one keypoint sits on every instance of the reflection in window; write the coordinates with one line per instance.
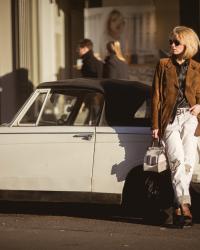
(57, 109)
(89, 111)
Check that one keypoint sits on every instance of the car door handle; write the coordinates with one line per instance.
(87, 136)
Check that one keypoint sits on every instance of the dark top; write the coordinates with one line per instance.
(115, 68)
(181, 70)
(92, 67)
(181, 100)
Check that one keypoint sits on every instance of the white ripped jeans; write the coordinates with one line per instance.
(181, 148)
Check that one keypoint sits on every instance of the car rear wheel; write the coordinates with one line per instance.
(133, 193)
(147, 195)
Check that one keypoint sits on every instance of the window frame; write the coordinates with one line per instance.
(47, 91)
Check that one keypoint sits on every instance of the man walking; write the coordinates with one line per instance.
(91, 66)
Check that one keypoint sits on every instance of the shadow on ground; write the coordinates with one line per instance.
(82, 210)
(89, 211)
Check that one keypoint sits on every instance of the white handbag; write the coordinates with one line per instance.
(155, 159)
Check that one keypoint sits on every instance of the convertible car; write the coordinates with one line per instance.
(77, 140)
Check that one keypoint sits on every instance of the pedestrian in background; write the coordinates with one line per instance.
(115, 65)
(175, 108)
(91, 66)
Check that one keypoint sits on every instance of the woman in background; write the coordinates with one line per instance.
(115, 66)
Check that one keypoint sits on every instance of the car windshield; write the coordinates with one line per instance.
(61, 107)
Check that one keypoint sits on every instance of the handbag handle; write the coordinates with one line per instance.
(156, 142)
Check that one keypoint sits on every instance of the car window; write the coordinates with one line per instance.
(143, 111)
(61, 107)
(127, 108)
(142, 115)
(57, 109)
(32, 113)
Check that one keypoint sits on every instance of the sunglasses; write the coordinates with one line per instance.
(176, 42)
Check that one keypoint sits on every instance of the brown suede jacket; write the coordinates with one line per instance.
(165, 91)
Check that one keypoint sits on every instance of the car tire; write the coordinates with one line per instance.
(159, 197)
(133, 193)
(148, 195)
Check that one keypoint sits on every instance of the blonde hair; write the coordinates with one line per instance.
(187, 37)
(114, 47)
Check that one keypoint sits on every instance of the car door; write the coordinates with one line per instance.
(117, 151)
(120, 146)
(50, 145)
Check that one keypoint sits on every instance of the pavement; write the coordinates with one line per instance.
(81, 227)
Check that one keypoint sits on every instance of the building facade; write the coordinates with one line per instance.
(38, 39)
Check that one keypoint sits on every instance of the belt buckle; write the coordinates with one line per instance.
(182, 111)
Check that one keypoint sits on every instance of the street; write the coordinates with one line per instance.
(60, 226)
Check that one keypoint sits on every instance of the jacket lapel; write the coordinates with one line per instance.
(190, 73)
(171, 73)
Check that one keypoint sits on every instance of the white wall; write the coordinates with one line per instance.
(51, 40)
(5, 38)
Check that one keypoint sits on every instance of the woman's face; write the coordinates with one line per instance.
(116, 26)
(176, 47)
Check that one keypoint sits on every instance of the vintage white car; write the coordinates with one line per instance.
(77, 140)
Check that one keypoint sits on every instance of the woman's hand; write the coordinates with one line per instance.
(155, 133)
(195, 110)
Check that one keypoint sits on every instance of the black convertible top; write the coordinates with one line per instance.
(98, 84)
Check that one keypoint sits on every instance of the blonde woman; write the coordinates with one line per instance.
(175, 107)
(115, 64)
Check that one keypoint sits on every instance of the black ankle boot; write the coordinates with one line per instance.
(187, 216)
(178, 218)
